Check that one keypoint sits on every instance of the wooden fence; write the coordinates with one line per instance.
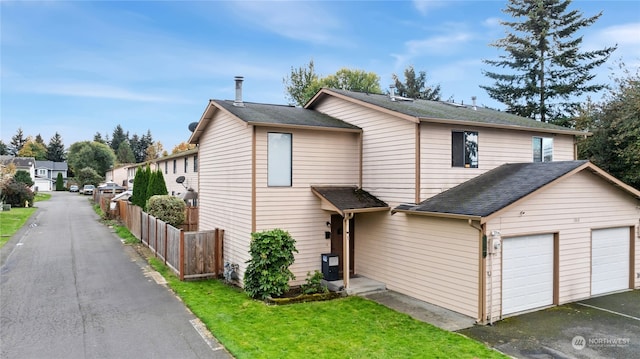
(190, 255)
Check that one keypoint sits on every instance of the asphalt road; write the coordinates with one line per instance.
(70, 289)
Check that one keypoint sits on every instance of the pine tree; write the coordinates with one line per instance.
(55, 149)
(543, 61)
(59, 182)
(119, 136)
(157, 186)
(140, 184)
(125, 154)
(17, 142)
(415, 86)
(4, 149)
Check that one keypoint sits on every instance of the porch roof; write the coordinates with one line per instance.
(348, 199)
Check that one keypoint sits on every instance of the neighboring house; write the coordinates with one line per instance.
(47, 173)
(21, 163)
(119, 175)
(182, 166)
(475, 210)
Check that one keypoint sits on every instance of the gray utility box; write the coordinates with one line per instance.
(330, 266)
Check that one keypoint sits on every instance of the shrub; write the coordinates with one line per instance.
(59, 182)
(23, 176)
(268, 272)
(313, 284)
(156, 185)
(16, 193)
(140, 184)
(166, 208)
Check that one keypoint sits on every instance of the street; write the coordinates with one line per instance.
(70, 289)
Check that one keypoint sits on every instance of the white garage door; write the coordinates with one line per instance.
(527, 273)
(609, 260)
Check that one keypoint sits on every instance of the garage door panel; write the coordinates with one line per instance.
(527, 273)
(609, 260)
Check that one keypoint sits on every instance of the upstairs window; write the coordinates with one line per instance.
(464, 149)
(166, 167)
(175, 167)
(195, 163)
(542, 149)
(186, 165)
(279, 159)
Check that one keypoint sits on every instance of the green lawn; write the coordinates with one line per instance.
(351, 327)
(11, 221)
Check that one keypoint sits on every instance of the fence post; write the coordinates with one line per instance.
(219, 250)
(181, 250)
(166, 234)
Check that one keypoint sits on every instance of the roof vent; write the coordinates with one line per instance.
(238, 101)
(392, 92)
(473, 99)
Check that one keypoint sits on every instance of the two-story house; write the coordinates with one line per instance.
(11, 164)
(475, 210)
(46, 173)
(180, 171)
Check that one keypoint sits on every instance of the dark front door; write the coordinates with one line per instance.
(337, 247)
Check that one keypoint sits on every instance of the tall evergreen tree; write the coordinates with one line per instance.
(124, 154)
(156, 185)
(543, 61)
(39, 139)
(98, 138)
(415, 86)
(118, 137)
(59, 182)
(55, 149)
(140, 184)
(4, 149)
(17, 142)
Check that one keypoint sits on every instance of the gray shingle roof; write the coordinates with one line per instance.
(258, 113)
(494, 190)
(446, 111)
(349, 197)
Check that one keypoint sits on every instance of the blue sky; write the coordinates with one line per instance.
(80, 67)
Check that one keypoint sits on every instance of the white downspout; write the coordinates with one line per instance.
(346, 238)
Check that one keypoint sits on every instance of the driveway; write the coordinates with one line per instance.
(71, 289)
(602, 327)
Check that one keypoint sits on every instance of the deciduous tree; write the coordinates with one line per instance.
(91, 154)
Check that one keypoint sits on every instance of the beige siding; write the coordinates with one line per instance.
(225, 184)
(571, 208)
(191, 177)
(389, 154)
(319, 158)
(432, 259)
(495, 147)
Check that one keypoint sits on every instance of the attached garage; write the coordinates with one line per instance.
(609, 260)
(527, 273)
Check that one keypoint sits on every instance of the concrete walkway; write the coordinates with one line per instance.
(432, 314)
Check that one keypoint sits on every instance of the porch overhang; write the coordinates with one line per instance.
(348, 200)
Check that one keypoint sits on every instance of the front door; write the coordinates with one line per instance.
(337, 241)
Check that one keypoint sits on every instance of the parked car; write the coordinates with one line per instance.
(74, 188)
(88, 189)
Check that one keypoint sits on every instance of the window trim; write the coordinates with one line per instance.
(543, 157)
(195, 163)
(175, 167)
(464, 160)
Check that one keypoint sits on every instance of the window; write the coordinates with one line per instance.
(166, 167)
(542, 149)
(195, 163)
(279, 159)
(42, 172)
(175, 169)
(186, 165)
(464, 149)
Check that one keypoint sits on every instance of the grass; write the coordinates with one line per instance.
(11, 221)
(351, 327)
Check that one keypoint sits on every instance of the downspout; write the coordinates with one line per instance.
(346, 238)
(482, 244)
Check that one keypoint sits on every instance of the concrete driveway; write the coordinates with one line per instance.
(602, 327)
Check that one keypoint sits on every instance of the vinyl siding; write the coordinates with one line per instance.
(319, 158)
(495, 148)
(432, 259)
(191, 178)
(225, 184)
(571, 208)
(388, 164)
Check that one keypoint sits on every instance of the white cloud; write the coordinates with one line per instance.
(425, 6)
(432, 46)
(79, 89)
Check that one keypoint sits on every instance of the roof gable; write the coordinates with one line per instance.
(444, 112)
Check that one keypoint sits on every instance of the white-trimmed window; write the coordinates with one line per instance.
(195, 163)
(279, 159)
(42, 172)
(542, 149)
(464, 149)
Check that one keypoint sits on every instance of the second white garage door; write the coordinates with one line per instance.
(609, 260)
(527, 273)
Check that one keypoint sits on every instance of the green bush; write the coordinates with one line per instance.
(23, 176)
(156, 185)
(268, 273)
(17, 194)
(59, 182)
(313, 284)
(166, 208)
(140, 184)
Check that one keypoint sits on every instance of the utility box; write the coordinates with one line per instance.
(330, 266)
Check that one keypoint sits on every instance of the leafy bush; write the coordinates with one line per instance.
(313, 284)
(166, 208)
(23, 176)
(268, 272)
(16, 193)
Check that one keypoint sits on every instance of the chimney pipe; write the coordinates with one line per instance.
(238, 101)
(473, 98)
(392, 92)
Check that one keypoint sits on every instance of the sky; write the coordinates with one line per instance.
(83, 67)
